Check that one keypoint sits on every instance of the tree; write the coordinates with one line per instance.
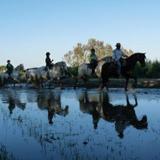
(81, 52)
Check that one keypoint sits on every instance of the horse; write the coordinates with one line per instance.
(110, 69)
(85, 70)
(41, 75)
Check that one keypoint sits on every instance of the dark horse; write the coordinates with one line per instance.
(127, 69)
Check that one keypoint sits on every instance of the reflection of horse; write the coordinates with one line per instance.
(13, 100)
(110, 70)
(100, 107)
(52, 102)
(14, 78)
(41, 75)
(123, 115)
(90, 103)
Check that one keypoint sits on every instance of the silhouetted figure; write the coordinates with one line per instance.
(109, 69)
(117, 57)
(9, 68)
(93, 60)
(49, 62)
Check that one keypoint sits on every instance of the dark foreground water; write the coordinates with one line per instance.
(79, 124)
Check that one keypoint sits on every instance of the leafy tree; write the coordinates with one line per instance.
(81, 52)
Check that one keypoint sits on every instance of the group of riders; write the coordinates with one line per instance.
(117, 56)
(93, 59)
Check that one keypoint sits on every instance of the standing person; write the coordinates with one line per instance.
(117, 56)
(93, 60)
(48, 61)
(9, 68)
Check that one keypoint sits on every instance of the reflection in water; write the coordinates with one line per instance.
(12, 98)
(123, 115)
(76, 135)
(101, 107)
(52, 102)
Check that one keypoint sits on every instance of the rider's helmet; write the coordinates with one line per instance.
(92, 50)
(118, 45)
(47, 53)
(8, 61)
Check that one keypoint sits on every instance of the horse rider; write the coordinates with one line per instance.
(93, 60)
(9, 68)
(48, 61)
(117, 57)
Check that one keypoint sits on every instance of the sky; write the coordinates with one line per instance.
(30, 28)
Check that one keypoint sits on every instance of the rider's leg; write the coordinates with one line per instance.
(119, 67)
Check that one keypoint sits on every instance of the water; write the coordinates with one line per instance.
(79, 124)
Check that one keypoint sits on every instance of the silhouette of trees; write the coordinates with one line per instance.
(151, 70)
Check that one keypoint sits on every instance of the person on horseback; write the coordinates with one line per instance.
(9, 68)
(93, 60)
(117, 57)
(48, 61)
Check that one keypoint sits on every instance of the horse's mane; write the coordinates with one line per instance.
(135, 54)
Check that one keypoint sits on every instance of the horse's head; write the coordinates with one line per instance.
(141, 58)
(19, 68)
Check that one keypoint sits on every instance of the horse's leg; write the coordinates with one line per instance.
(126, 84)
(135, 81)
(104, 83)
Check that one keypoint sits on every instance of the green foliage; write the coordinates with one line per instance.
(151, 70)
(73, 71)
(2, 68)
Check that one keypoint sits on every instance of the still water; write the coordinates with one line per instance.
(79, 124)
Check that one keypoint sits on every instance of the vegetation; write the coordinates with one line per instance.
(2, 68)
(151, 70)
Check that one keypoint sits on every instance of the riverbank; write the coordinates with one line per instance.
(95, 83)
(114, 83)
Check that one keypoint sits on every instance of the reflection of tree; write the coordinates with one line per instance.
(52, 102)
(122, 115)
(4, 154)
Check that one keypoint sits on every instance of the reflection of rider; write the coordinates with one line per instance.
(93, 60)
(11, 105)
(9, 68)
(117, 56)
(51, 111)
(48, 61)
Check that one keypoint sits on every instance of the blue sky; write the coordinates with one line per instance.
(29, 28)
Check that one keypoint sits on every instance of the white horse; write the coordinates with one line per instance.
(85, 71)
(42, 74)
